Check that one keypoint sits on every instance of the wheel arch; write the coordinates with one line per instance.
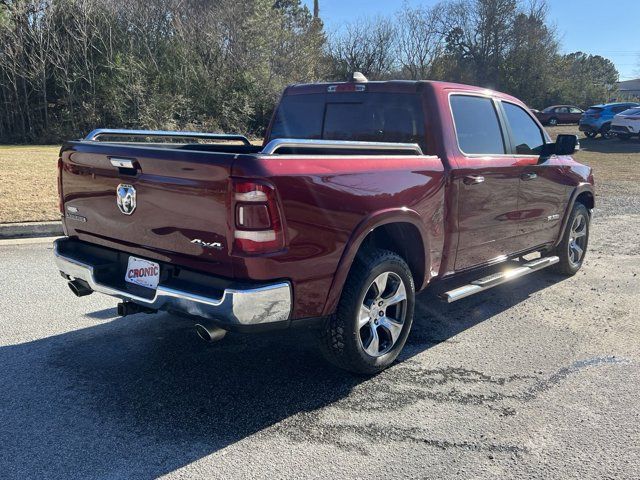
(583, 194)
(587, 199)
(402, 238)
(398, 230)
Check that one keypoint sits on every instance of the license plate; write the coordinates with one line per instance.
(143, 272)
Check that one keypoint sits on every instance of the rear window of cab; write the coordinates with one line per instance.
(351, 116)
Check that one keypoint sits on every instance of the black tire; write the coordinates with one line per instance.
(566, 248)
(553, 122)
(342, 341)
(590, 134)
(606, 132)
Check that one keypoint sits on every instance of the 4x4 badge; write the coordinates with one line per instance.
(203, 244)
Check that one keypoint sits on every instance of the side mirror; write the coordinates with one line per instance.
(564, 145)
(567, 145)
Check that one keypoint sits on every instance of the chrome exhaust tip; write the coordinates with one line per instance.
(79, 288)
(209, 332)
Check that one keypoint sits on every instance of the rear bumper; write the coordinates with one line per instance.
(233, 306)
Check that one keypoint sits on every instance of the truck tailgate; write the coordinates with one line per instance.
(181, 202)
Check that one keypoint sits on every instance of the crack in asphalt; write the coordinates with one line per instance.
(378, 434)
(407, 384)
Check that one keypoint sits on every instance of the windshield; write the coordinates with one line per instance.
(548, 109)
(355, 116)
(594, 110)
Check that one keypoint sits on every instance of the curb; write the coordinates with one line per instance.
(30, 229)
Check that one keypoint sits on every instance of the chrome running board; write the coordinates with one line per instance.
(499, 278)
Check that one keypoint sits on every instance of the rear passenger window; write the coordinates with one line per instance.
(477, 125)
(527, 136)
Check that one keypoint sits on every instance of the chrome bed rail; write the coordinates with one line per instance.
(103, 132)
(274, 145)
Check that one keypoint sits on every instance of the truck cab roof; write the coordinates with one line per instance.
(392, 86)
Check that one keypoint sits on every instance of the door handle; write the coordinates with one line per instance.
(473, 179)
(528, 176)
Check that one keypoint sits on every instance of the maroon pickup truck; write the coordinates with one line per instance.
(362, 194)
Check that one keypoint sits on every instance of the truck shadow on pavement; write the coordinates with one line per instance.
(143, 396)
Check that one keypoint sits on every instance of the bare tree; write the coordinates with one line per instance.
(420, 41)
(366, 45)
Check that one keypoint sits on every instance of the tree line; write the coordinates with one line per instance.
(506, 45)
(68, 66)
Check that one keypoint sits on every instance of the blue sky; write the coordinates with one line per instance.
(592, 26)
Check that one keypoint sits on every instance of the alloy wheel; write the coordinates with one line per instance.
(382, 314)
(577, 239)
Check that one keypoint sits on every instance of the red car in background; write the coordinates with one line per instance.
(557, 114)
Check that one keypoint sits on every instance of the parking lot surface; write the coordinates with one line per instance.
(538, 378)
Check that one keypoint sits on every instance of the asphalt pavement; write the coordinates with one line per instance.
(539, 378)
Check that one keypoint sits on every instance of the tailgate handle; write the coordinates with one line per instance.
(122, 163)
(126, 166)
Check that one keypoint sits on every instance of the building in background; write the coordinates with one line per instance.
(629, 89)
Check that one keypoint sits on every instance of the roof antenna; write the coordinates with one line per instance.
(358, 77)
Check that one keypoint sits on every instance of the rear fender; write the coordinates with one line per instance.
(369, 224)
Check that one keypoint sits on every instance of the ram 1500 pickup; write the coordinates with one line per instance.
(362, 194)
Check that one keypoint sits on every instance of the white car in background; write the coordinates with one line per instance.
(626, 124)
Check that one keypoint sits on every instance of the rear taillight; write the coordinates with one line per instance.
(595, 115)
(258, 224)
(60, 201)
